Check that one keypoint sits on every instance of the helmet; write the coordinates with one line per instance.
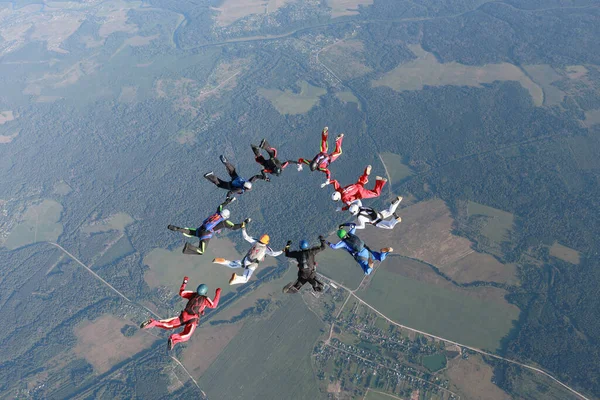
(225, 213)
(354, 209)
(303, 244)
(264, 239)
(336, 196)
(278, 171)
(247, 185)
(341, 233)
(202, 290)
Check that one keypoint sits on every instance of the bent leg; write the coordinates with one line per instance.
(379, 256)
(387, 224)
(170, 323)
(324, 145)
(391, 210)
(368, 194)
(338, 149)
(256, 151)
(227, 263)
(184, 335)
(230, 170)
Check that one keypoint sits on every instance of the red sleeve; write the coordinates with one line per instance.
(214, 302)
(186, 294)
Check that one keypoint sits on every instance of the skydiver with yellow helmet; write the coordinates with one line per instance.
(253, 257)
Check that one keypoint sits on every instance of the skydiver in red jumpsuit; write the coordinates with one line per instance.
(322, 160)
(357, 190)
(189, 317)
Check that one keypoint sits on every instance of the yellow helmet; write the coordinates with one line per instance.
(264, 239)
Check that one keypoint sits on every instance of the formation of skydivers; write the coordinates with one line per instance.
(351, 195)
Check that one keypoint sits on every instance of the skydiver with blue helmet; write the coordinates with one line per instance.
(237, 184)
(354, 245)
(210, 226)
(307, 267)
(189, 317)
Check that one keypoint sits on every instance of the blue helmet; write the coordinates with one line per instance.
(303, 244)
(202, 290)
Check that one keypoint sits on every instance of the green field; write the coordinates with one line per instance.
(289, 103)
(426, 70)
(116, 222)
(440, 311)
(395, 168)
(341, 266)
(499, 225)
(372, 395)
(39, 223)
(434, 362)
(347, 97)
(269, 359)
(116, 251)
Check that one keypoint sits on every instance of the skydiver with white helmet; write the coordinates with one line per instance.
(189, 317)
(253, 257)
(307, 267)
(357, 191)
(209, 227)
(237, 185)
(368, 215)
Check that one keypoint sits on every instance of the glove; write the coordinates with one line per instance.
(185, 280)
(321, 238)
(338, 209)
(299, 167)
(247, 220)
(288, 244)
(218, 290)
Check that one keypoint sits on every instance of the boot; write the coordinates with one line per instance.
(191, 249)
(264, 144)
(386, 250)
(397, 217)
(173, 228)
(144, 325)
(397, 200)
(341, 135)
(236, 279)
(220, 261)
(368, 271)
(170, 344)
(325, 130)
(368, 170)
(379, 178)
(223, 159)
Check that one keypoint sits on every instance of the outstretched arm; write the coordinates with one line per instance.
(247, 237)
(339, 245)
(336, 185)
(214, 302)
(361, 222)
(186, 294)
(273, 253)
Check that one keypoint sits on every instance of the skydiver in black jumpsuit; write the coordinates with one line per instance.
(307, 267)
(237, 185)
(271, 165)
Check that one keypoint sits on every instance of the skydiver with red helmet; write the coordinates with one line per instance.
(189, 317)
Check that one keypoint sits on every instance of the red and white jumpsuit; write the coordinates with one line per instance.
(189, 317)
(357, 191)
(323, 159)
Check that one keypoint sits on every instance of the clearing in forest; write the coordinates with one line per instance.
(426, 70)
(411, 294)
(116, 222)
(288, 102)
(395, 168)
(499, 223)
(346, 58)
(473, 378)
(341, 8)
(232, 10)
(103, 345)
(39, 223)
(6, 116)
(565, 253)
(425, 233)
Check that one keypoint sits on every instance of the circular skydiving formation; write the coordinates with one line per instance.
(351, 195)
